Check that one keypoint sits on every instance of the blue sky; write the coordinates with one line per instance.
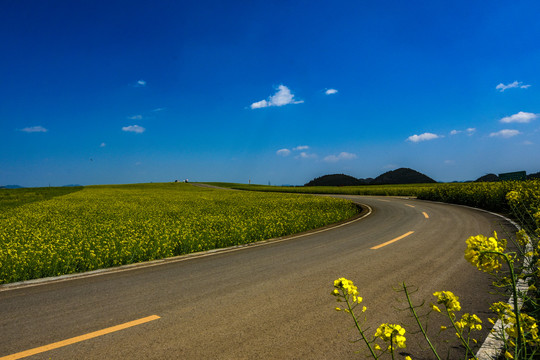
(280, 92)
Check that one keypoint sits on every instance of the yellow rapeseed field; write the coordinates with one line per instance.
(105, 226)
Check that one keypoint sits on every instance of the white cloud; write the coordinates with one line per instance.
(158, 109)
(135, 117)
(282, 97)
(449, 162)
(33, 129)
(102, 144)
(283, 152)
(331, 91)
(527, 142)
(141, 83)
(259, 104)
(301, 147)
(506, 133)
(305, 155)
(134, 128)
(340, 156)
(469, 131)
(516, 84)
(520, 117)
(423, 137)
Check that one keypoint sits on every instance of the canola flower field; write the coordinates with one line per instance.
(381, 190)
(485, 195)
(54, 231)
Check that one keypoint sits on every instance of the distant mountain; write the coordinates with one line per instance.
(72, 185)
(335, 180)
(11, 187)
(488, 178)
(402, 176)
(533, 176)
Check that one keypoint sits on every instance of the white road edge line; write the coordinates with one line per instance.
(175, 259)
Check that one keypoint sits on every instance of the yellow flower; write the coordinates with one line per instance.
(512, 196)
(449, 300)
(392, 333)
(435, 307)
(522, 238)
(347, 286)
(471, 321)
(481, 251)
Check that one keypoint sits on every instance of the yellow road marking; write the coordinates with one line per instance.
(425, 215)
(387, 243)
(80, 338)
(409, 205)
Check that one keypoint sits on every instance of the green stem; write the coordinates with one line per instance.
(516, 305)
(515, 295)
(358, 327)
(392, 344)
(419, 323)
(460, 335)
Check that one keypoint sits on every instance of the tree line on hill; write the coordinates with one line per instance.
(398, 176)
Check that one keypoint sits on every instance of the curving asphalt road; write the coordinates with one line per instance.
(261, 302)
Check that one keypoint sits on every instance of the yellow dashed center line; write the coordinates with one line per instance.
(80, 338)
(387, 243)
(425, 215)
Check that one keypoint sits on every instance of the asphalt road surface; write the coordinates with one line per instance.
(262, 302)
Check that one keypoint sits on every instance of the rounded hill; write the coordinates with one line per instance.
(402, 176)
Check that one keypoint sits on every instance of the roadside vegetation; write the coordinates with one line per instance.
(384, 190)
(514, 269)
(50, 232)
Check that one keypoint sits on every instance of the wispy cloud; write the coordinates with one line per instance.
(102, 144)
(158, 109)
(283, 152)
(468, 131)
(516, 84)
(449, 162)
(282, 97)
(506, 133)
(134, 128)
(140, 83)
(341, 156)
(423, 137)
(34, 129)
(330, 91)
(135, 117)
(301, 147)
(305, 155)
(520, 117)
